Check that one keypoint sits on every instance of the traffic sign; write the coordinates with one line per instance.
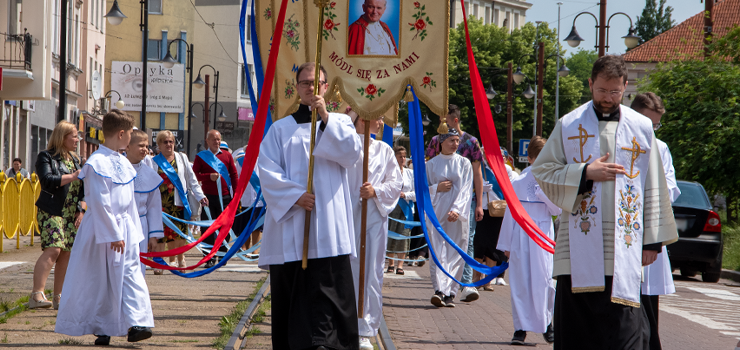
(523, 160)
(523, 146)
(95, 85)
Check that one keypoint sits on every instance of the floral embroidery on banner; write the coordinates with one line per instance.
(290, 33)
(586, 212)
(333, 106)
(629, 213)
(428, 82)
(422, 21)
(289, 88)
(371, 91)
(268, 13)
(329, 24)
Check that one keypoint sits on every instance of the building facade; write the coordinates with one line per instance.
(511, 14)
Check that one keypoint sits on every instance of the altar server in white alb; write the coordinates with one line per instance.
(314, 307)
(382, 191)
(148, 199)
(104, 291)
(602, 167)
(450, 179)
(530, 266)
(658, 275)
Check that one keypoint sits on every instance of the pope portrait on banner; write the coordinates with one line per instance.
(369, 35)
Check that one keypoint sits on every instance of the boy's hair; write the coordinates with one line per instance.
(609, 67)
(138, 135)
(115, 121)
(17, 160)
(398, 149)
(454, 110)
(648, 101)
(312, 66)
(535, 146)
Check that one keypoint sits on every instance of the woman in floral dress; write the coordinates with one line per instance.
(60, 210)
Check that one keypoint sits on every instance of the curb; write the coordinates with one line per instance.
(385, 336)
(730, 275)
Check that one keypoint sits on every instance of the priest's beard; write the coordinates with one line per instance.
(606, 107)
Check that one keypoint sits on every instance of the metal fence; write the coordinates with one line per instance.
(18, 207)
(17, 51)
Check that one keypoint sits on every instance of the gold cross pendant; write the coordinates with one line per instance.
(636, 151)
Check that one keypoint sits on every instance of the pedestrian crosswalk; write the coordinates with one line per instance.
(6, 264)
(711, 305)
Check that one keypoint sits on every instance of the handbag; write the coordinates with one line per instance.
(496, 208)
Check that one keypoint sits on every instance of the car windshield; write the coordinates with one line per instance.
(692, 196)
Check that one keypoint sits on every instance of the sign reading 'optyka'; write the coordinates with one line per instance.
(371, 50)
(165, 86)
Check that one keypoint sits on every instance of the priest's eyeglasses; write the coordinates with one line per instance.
(307, 83)
(613, 93)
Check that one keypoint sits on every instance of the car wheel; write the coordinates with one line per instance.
(714, 271)
(686, 272)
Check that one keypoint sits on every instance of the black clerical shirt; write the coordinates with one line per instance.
(303, 116)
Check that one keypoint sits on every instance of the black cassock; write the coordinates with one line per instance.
(314, 307)
(592, 321)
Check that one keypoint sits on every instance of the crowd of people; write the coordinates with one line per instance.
(600, 187)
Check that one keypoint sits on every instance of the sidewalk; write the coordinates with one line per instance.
(414, 323)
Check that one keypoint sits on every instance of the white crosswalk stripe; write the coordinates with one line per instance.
(711, 305)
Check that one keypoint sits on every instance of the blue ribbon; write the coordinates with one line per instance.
(494, 182)
(388, 135)
(168, 170)
(233, 250)
(407, 211)
(215, 163)
(424, 202)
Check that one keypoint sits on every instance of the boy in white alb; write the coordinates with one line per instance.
(382, 190)
(148, 199)
(450, 178)
(104, 291)
(532, 286)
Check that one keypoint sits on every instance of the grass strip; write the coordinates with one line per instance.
(228, 323)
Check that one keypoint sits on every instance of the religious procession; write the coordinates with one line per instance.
(370, 192)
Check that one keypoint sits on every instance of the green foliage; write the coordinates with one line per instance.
(702, 117)
(494, 48)
(580, 64)
(728, 46)
(655, 20)
(731, 238)
(228, 323)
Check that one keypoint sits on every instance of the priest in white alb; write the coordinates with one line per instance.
(450, 179)
(602, 167)
(382, 191)
(530, 267)
(314, 307)
(658, 275)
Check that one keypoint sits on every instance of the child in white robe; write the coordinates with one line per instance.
(148, 199)
(382, 190)
(530, 277)
(450, 178)
(104, 291)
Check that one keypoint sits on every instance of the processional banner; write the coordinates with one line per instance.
(372, 49)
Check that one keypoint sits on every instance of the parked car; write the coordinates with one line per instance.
(699, 246)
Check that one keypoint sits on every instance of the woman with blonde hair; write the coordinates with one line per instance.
(60, 209)
(178, 180)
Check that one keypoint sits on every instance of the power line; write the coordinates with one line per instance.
(213, 28)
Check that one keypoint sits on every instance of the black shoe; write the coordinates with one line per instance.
(137, 333)
(102, 340)
(549, 334)
(449, 301)
(210, 263)
(518, 338)
(438, 299)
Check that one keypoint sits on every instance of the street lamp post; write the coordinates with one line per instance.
(557, 77)
(510, 81)
(199, 83)
(602, 30)
(115, 17)
(540, 83)
(168, 61)
(62, 114)
(221, 116)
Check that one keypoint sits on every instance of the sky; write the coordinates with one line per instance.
(547, 11)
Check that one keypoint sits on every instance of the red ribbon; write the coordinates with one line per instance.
(224, 221)
(490, 142)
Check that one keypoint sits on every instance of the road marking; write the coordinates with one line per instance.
(716, 293)
(408, 274)
(240, 268)
(697, 318)
(6, 264)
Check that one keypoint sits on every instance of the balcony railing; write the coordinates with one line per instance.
(17, 51)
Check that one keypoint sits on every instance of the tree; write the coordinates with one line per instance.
(702, 100)
(654, 20)
(494, 47)
(580, 65)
